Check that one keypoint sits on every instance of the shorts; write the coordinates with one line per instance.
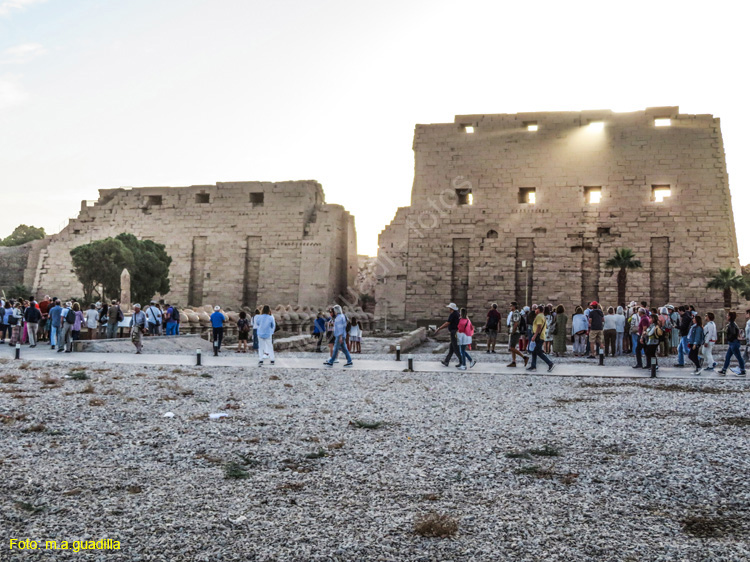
(514, 339)
(331, 340)
(492, 333)
(242, 336)
(355, 338)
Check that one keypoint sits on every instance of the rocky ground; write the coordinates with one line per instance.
(340, 465)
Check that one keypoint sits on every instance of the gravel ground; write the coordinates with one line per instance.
(644, 470)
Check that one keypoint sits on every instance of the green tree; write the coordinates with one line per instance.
(726, 280)
(623, 260)
(150, 272)
(23, 234)
(100, 263)
(17, 292)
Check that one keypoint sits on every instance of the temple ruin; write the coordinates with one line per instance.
(529, 207)
(233, 244)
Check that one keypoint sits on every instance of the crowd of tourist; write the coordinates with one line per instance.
(645, 332)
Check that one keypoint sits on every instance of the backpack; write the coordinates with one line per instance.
(244, 326)
(175, 315)
(522, 324)
(70, 317)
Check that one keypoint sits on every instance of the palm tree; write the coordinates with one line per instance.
(726, 280)
(623, 260)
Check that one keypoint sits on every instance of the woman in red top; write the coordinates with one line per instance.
(465, 331)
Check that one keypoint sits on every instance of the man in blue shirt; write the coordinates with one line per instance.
(319, 330)
(217, 324)
(266, 326)
(54, 320)
(339, 334)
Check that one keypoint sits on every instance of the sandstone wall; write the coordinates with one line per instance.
(443, 249)
(232, 243)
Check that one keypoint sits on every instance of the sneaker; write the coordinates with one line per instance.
(714, 365)
(741, 374)
(52, 347)
(273, 362)
(697, 371)
(679, 365)
(708, 369)
(260, 363)
(531, 368)
(550, 368)
(462, 367)
(493, 351)
(722, 372)
(637, 367)
(328, 363)
(473, 362)
(445, 364)
(488, 351)
(512, 364)
(525, 360)
(349, 364)
(590, 357)
(336, 361)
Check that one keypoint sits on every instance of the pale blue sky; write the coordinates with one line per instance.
(103, 93)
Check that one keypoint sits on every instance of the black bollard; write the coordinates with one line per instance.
(653, 370)
(398, 353)
(601, 356)
(198, 357)
(410, 359)
(18, 351)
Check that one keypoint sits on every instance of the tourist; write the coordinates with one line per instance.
(32, 316)
(732, 332)
(319, 331)
(266, 326)
(747, 333)
(15, 321)
(330, 323)
(256, 320)
(65, 330)
(339, 333)
(243, 332)
(516, 330)
(610, 333)
(666, 324)
(102, 329)
(452, 324)
(674, 332)
(686, 322)
(491, 326)
(596, 327)
(75, 331)
(711, 335)
(650, 338)
(580, 331)
(539, 332)
(153, 318)
(644, 322)
(549, 317)
(55, 313)
(695, 342)
(559, 341)
(463, 337)
(91, 318)
(620, 324)
(114, 317)
(173, 320)
(217, 327)
(44, 306)
(5, 312)
(138, 328)
(530, 316)
(634, 319)
(355, 335)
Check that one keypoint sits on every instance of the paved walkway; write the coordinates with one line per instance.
(249, 361)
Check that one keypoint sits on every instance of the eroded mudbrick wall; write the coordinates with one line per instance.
(232, 244)
(529, 207)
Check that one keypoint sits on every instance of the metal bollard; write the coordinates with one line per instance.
(410, 359)
(198, 357)
(653, 370)
(601, 356)
(398, 353)
(18, 351)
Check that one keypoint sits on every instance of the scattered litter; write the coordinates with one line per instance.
(217, 416)
(168, 415)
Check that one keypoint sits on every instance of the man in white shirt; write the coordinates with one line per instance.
(153, 318)
(710, 335)
(137, 328)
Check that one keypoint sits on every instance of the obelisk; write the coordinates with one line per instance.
(125, 290)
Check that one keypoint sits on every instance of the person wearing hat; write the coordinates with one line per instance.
(137, 328)
(452, 324)
(217, 326)
(153, 318)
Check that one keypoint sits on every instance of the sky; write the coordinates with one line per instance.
(97, 94)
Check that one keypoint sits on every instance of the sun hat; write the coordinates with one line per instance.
(217, 308)
(452, 306)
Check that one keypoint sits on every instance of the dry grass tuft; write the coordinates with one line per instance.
(88, 389)
(24, 366)
(9, 378)
(36, 428)
(96, 402)
(291, 486)
(440, 525)
(337, 445)
(274, 378)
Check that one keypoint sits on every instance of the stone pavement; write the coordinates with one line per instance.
(249, 361)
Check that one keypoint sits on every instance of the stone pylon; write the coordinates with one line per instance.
(125, 290)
